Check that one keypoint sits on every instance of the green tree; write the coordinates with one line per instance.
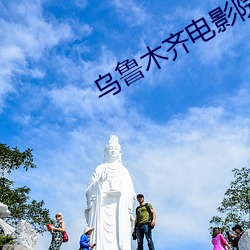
(235, 207)
(17, 199)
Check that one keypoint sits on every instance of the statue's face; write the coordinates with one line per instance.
(114, 150)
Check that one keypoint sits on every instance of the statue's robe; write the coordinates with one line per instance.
(110, 197)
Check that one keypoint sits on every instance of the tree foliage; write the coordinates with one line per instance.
(235, 206)
(17, 199)
(6, 240)
(12, 159)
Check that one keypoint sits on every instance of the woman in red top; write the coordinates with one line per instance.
(218, 240)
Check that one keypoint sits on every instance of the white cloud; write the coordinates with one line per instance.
(32, 33)
(240, 100)
(80, 3)
(84, 102)
(79, 96)
(26, 35)
(223, 45)
(130, 12)
(105, 63)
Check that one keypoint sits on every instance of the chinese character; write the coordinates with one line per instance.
(177, 41)
(218, 17)
(151, 54)
(237, 8)
(202, 30)
(245, 6)
(107, 87)
(126, 66)
(133, 76)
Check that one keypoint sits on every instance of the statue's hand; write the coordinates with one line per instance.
(132, 217)
(90, 201)
(104, 176)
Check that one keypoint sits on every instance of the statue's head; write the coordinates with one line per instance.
(113, 150)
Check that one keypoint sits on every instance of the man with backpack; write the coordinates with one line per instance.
(144, 223)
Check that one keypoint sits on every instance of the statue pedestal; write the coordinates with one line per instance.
(13, 247)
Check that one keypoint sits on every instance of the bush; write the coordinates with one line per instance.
(6, 240)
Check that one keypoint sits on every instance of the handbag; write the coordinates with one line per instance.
(65, 236)
(49, 227)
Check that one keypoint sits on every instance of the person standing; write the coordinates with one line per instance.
(144, 223)
(239, 231)
(56, 231)
(85, 239)
(218, 240)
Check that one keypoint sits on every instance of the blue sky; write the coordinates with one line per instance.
(182, 128)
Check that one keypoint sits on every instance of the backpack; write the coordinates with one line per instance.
(149, 212)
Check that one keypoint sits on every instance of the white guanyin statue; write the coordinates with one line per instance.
(110, 198)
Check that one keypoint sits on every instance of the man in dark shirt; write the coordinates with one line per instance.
(239, 231)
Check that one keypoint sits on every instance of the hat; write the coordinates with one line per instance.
(87, 229)
(59, 213)
(140, 195)
(237, 227)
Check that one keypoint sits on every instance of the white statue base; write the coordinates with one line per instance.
(25, 237)
(13, 247)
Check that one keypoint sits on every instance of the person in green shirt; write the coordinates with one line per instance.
(144, 223)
